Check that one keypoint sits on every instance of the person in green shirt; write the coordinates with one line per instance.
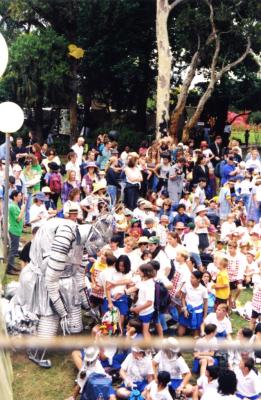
(16, 220)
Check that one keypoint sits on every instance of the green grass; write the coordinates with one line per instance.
(254, 138)
(32, 382)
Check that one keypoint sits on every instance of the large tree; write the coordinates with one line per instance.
(38, 72)
(222, 32)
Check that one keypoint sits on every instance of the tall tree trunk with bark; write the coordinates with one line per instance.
(164, 64)
(182, 97)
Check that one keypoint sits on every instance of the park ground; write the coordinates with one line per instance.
(32, 382)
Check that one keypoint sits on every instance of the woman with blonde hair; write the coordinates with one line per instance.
(69, 184)
(112, 178)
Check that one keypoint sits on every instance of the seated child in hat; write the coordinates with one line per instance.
(136, 372)
(171, 360)
(90, 364)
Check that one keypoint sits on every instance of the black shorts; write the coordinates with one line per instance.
(233, 285)
(255, 314)
(220, 301)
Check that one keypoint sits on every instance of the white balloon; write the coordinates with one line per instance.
(11, 117)
(3, 54)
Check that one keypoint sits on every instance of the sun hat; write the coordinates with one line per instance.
(91, 354)
(46, 189)
(128, 212)
(154, 240)
(164, 218)
(252, 252)
(73, 210)
(200, 209)
(40, 196)
(141, 201)
(98, 186)
(172, 344)
(91, 164)
(143, 240)
(147, 205)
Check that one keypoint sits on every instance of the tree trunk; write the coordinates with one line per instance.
(164, 65)
(195, 117)
(73, 101)
(182, 97)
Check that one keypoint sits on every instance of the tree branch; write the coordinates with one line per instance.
(233, 64)
(216, 38)
(174, 4)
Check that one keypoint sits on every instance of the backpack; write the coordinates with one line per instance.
(222, 358)
(97, 387)
(136, 395)
(55, 183)
(162, 298)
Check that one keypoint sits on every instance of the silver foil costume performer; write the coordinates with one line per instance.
(52, 286)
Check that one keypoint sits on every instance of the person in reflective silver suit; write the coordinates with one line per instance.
(52, 286)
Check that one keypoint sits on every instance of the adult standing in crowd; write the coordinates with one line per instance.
(16, 221)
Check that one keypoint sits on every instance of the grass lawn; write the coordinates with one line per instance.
(254, 138)
(31, 382)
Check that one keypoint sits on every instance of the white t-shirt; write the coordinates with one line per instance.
(226, 229)
(79, 151)
(137, 370)
(172, 251)
(248, 385)
(96, 367)
(164, 261)
(213, 270)
(207, 387)
(118, 276)
(203, 345)
(191, 241)
(175, 366)
(223, 325)
(212, 394)
(155, 394)
(146, 293)
(195, 296)
(184, 271)
(36, 211)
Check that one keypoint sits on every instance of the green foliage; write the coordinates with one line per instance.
(255, 118)
(38, 68)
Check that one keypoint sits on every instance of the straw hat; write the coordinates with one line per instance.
(98, 186)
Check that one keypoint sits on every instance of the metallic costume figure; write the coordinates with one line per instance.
(52, 286)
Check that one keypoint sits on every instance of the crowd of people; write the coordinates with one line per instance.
(185, 244)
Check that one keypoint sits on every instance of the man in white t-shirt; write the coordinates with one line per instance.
(78, 148)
